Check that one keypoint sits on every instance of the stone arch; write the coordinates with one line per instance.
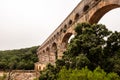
(76, 16)
(43, 51)
(39, 68)
(54, 36)
(54, 48)
(47, 49)
(58, 33)
(48, 54)
(61, 30)
(53, 53)
(86, 7)
(99, 13)
(70, 22)
(65, 40)
(65, 28)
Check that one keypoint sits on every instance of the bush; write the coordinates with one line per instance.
(86, 74)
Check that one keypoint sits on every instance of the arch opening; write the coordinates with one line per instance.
(76, 16)
(39, 68)
(111, 20)
(70, 22)
(86, 7)
(66, 39)
(47, 49)
(43, 51)
(101, 12)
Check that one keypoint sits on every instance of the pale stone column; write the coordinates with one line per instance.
(47, 57)
(52, 57)
(61, 49)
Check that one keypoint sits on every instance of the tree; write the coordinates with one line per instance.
(19, 59)
(86, 74)
(93, 46)
(112, 53)
(89, 40)
(49, 73)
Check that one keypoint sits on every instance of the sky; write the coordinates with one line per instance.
(27, 23)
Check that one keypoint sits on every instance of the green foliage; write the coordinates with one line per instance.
(64, 74)
(99, 46)
(49, 73)
(93, 46)
(59, 64)
(112, 53)
(82, 61)
(86, 74)
(18, 59)
(35, 79)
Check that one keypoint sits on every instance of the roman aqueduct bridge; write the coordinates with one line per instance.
(86, 11)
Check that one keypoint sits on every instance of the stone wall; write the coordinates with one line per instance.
(20, 74)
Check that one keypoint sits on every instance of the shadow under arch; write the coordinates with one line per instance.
(97, 15)
(48, 50)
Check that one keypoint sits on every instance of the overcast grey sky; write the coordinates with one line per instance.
(26, 23)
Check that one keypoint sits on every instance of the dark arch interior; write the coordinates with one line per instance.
(86, 7)
(43, 51)
(101, 12)
(54, 45)
(76, 16)
(47, 49)
(70, 22)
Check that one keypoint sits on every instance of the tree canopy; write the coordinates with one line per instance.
(93, 46)
(18, 59)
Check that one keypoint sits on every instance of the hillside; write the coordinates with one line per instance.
(22, 59)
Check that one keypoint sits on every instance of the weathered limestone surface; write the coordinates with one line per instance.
(21, 74)
(86, 11)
